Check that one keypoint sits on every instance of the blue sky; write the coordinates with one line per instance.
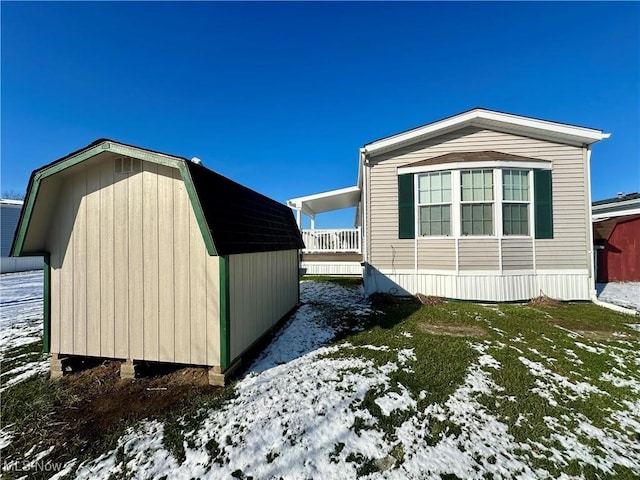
(280, 96)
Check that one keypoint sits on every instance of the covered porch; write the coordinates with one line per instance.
(330, 251)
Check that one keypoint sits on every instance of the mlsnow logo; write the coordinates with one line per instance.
(32, 466)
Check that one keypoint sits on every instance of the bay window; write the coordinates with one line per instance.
(476, 202)
(434, 204)
(486, 201)
(515, 202)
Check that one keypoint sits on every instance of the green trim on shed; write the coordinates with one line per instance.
(225, 313)
(46, 310)
(197, 208)
(119, 149)
(543, 204)
(406, 207)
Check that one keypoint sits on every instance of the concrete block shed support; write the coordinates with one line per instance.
(58, 366)
(216, 377)
(219, 377)
(128, 370)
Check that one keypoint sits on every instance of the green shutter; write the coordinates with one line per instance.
(406, 207)
(543, 206)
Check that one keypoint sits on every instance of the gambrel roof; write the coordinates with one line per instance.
(232, 218)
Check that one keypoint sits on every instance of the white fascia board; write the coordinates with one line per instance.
(603, 216)
(540, 165)
(490, 119)
(317, 196)
(624, 203)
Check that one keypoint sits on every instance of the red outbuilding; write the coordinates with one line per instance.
(616, 235)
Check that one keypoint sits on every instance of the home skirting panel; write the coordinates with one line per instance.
(491, 288)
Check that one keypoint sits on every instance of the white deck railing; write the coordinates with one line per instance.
(332, 240)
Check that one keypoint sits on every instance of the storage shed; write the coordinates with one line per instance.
(152, 257)
(616, 235)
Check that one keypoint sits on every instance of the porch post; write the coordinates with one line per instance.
(313, 222)
(298, 218)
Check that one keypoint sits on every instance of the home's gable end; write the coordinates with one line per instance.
(481, 118)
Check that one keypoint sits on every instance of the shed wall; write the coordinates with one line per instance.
(263, 289)
(130, 274)
(619, 261)
(567, 250)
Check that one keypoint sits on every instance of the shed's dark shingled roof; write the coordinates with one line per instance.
(240, 219)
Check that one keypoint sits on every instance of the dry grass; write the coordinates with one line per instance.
(545, 302)
(430, 300)
(451, 330)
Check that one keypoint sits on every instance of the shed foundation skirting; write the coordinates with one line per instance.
(573, 285)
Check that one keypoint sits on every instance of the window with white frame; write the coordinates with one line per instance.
(515, 202)
(434, 204)
(476, 202)
(482, 202)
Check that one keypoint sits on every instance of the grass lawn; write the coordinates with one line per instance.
(454, 390)
(556, 378)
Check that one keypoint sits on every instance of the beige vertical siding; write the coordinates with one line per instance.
(517, 253)
(107, 271)
(166, 283)
(131, 277)
(92, 202)
(150, 267)
(568, 249)
(437, 254)
(263, 288)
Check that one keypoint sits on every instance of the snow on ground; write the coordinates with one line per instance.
(312, 325)
(20, 323)
(296, 412)
(20, 309)
(299, 412)
(625, 294)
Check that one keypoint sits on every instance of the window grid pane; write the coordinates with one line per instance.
(476, 185)
(434, 188)
(477, 219)
(515, 218)
(515, 184)
(435, 220)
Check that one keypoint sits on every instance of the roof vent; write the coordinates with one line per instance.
(620, 195)
(196, 160)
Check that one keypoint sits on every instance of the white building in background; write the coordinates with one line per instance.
(9, 217)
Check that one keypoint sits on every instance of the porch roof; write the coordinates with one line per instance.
(326, 201)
